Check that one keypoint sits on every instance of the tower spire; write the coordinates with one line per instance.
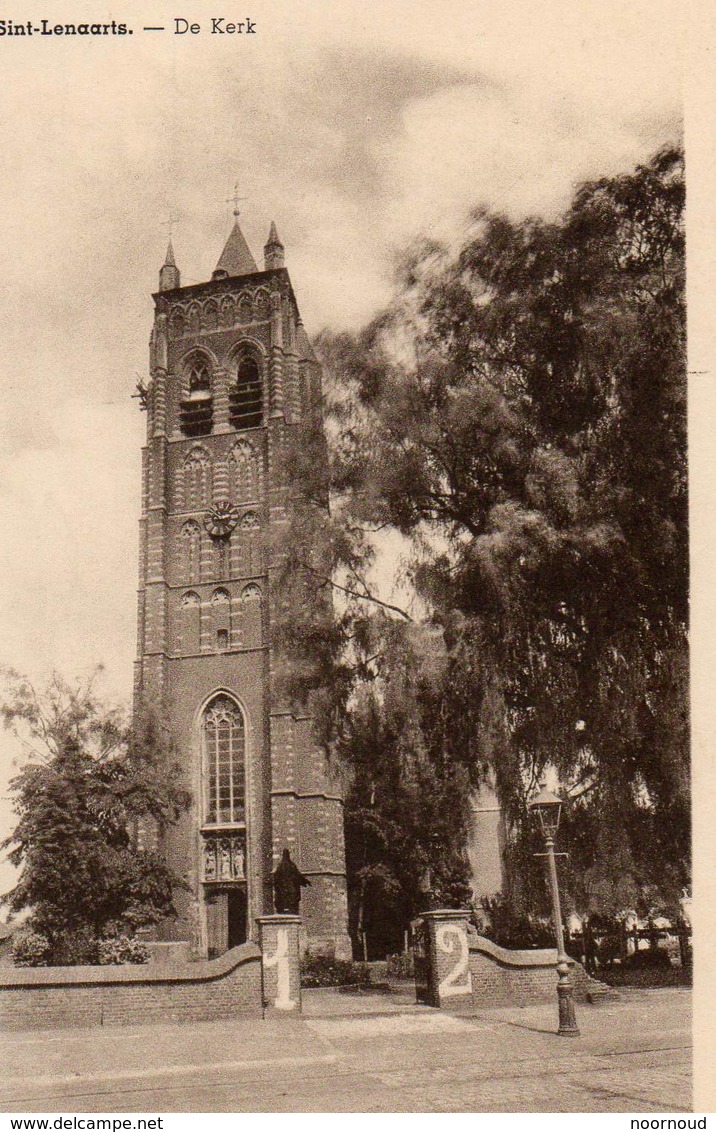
(236, 258)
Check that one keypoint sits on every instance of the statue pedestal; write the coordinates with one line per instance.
(446, 977)
(280, 963)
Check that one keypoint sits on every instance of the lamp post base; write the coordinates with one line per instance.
(565, 1001)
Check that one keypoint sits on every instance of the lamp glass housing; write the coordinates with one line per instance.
(548, 808)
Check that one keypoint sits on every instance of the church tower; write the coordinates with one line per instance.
(233, 376)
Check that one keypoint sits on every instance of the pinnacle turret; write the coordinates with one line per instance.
(273, 250)
(169, 277)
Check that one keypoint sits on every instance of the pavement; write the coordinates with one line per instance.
(366, 1053)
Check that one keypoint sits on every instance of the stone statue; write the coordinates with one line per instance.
(288, 880)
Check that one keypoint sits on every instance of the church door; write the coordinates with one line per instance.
(216, 923)
(225, 919)
(236, 916)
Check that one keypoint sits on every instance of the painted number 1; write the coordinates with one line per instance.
(452, 940)
(279, 960)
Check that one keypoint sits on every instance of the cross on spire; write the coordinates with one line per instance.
(170, 222)
(235, 200)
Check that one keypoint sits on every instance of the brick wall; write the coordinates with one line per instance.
(49, 997)
(518, 977)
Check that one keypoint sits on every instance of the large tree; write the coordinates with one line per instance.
(518, 413)
(90, 789)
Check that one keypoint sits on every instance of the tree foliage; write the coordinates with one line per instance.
(407, 802)
(89, 786)
(518, 413)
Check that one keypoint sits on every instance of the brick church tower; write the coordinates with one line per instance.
(233, 375)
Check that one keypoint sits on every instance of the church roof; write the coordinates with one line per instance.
(170, 261)
(236, 259)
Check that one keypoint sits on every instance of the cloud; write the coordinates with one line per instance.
(365, 115)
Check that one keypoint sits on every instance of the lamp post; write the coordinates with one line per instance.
(548, 808)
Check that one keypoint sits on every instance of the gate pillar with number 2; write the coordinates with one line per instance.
(448, 958)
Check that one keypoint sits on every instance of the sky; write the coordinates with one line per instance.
(356, 126)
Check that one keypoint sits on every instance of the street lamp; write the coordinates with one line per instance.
(548, 808)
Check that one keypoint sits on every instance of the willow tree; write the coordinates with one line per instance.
(519, 414)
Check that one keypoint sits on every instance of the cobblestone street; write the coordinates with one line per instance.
(373, 1054)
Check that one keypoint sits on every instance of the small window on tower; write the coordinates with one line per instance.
(245, 400)
(222, 638)
(196, 410)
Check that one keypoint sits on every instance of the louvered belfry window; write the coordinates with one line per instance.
(246, 399)
(224, 762)
(196, 411)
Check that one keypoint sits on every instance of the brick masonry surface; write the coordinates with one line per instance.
(519, 978)
(48, 997)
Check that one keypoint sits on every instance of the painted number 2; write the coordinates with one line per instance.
(452, 940)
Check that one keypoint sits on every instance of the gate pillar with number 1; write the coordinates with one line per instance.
(447, 945)
(280, 963)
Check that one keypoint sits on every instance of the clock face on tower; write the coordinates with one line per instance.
(221, 519)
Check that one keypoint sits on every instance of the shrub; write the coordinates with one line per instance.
(607, 949)
(75, 948)
(673, 950)
(33, 949)
(122, 949)
(30, 949)
(400, 966)
(647, 977)
(323, 971)
(648, 957)
(510, 929)
(79, 948)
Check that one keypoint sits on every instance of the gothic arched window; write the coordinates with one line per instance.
(221, 619)
(251, 618)
(252, 542)
(196, 410)
(197, 479)
(261, 304)
(224, 743)
(210, 316)
(246, 398)
(194, 318)
(176, 324)
(191, 551)
(198, 375)
(243, 470)
(226, 313)
(190, 623)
